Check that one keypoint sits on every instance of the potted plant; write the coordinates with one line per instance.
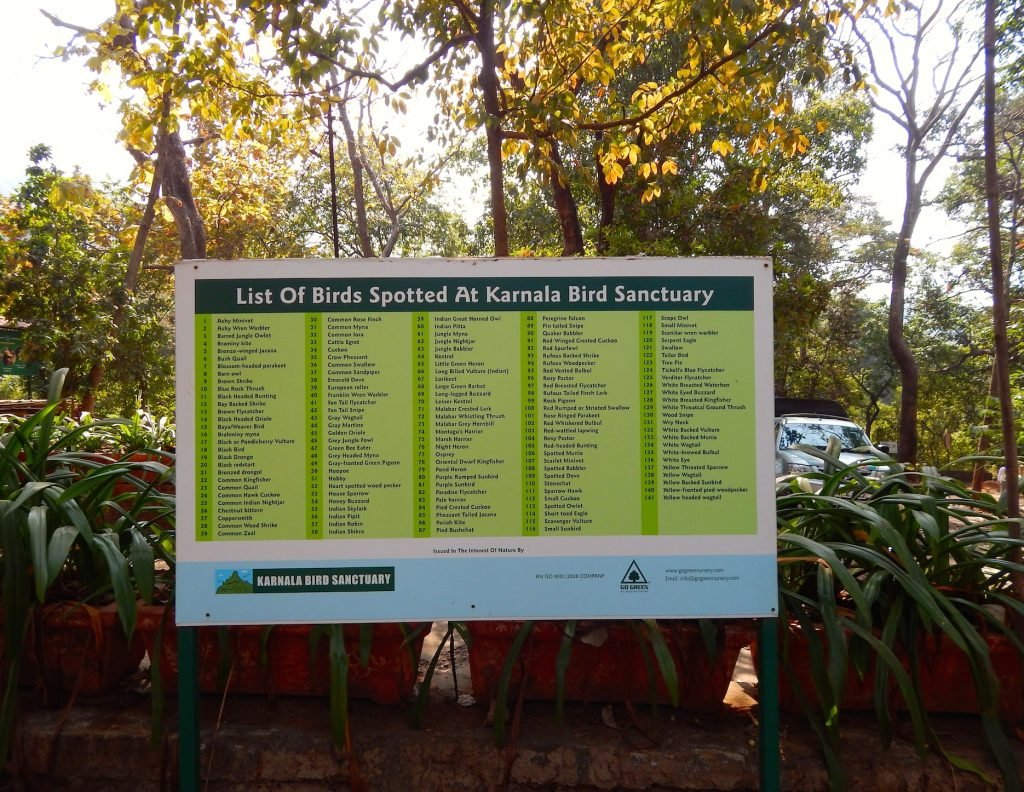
(75, 554)
(876, 576)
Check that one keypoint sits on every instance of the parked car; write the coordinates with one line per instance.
(812, 423)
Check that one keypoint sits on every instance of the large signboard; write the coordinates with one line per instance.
(424, 439)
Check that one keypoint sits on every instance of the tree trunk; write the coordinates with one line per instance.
(489, 87)
(985, 440)
(334, 182)
(362, 228)
(606, 194)
(177, 190)
(92, 384)
(901, 351)
(1000, 310)
(565, 206)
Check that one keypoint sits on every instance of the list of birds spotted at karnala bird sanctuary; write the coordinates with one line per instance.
(473, 406)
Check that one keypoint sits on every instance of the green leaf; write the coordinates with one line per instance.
(142, 563)
(666, 662)
(505, 680)
(120, 580)
(59, 546)
(562, 665)
(338, 661)
(36, 524)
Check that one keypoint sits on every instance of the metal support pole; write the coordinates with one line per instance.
(188, 710)
(768, 701)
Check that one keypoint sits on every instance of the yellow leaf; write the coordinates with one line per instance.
(653, 191)
(722, 147)
(821, 126)
(612, 172)
(694, 127)
(669, 166)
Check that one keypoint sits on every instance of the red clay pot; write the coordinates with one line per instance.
(606, 666)
(279, 660)
(81, 648)
(945, 679)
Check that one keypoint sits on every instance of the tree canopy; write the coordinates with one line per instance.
(263, 128)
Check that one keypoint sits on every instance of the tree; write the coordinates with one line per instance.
(1000, 309)
(401, 212)
(175, 61)
(538, 78)
(62, 244)
(930, 124)
(965, 198)
(952, 342)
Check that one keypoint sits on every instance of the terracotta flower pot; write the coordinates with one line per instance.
(83, 648)
(944, 673)
(279, 660)
(607, 662)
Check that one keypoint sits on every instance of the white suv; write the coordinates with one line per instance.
(814, 426)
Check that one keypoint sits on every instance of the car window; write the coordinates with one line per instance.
(817, 435)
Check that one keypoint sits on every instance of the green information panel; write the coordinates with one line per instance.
(515, 423)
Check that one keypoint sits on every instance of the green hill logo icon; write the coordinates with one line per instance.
(234, 581)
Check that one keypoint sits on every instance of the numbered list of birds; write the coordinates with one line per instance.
(388, 408)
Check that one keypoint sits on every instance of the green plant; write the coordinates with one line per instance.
(142, 432)
(869, 566)
(338, 663)
(73, 525)
(423, 692)
(657, 658)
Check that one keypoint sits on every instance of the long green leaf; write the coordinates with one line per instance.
(338, 658)
(120, 580)
(562, 666)
(666, 662)
(53, 396)
(58, 548)
(70, 511)
(505, 680)
(29, 491)
(365, 643)
(35, 523)
(423, 695)
(142, 564)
